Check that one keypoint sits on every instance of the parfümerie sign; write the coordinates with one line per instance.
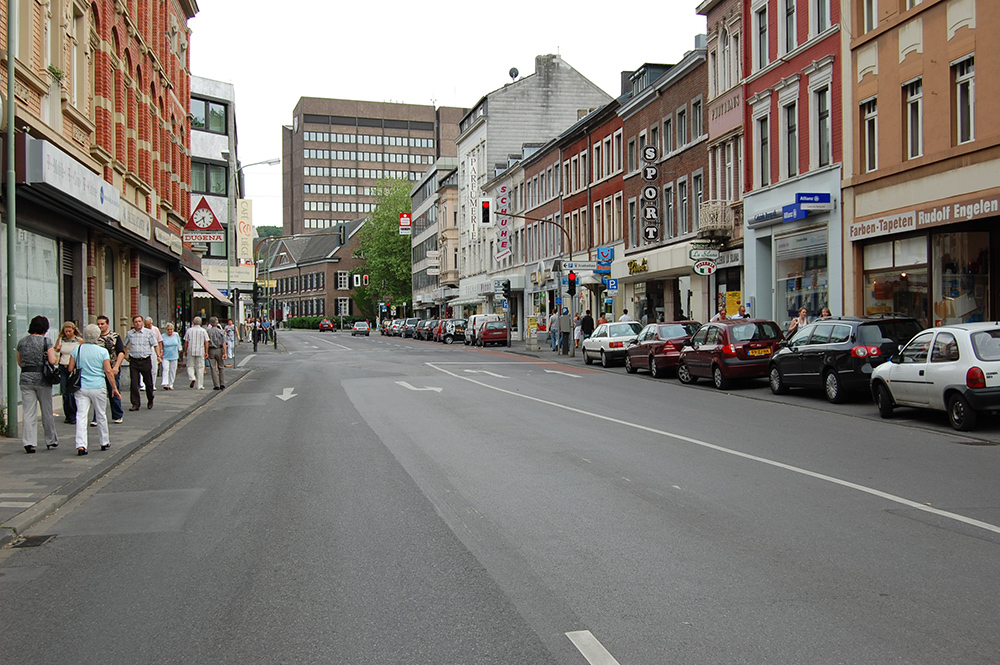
(912, 220)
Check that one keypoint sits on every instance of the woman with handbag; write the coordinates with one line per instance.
(35, 355)
(66, 344)
(94, 362)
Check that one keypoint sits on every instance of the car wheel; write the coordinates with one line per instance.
(962, 416)
(684, 374)
(834, 390)
(587, 360)
(448, 339)
(883, 401)
(628, 364)
(778, 386)
(605, 361)
(719, 379)
(654, 371)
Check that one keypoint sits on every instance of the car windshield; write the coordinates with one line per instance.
(496, 325)
(883, 332)
(754, 332)
(624, 329)
(986, 344)
(361, 324)
(675, 330)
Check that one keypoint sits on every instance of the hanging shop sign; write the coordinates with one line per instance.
(704, 267)
(203, 225)
(636, 267)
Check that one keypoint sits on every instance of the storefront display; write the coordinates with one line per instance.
(961, 277)
(801, 273)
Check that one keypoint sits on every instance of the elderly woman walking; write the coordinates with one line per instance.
(66, 344)
(33, 350)
(171, 354)
(95, 368)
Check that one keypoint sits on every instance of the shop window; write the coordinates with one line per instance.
(897, 291)
(961, 277)
(802, 273)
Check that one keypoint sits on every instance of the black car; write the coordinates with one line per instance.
(838, 353)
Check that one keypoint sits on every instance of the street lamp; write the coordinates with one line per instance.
(235, 170)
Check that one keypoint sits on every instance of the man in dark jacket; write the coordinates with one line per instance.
(587, 325)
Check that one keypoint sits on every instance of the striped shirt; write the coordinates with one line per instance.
(141, 343)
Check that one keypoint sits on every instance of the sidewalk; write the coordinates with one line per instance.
(33, 486)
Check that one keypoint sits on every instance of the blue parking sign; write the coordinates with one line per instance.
(612, 284)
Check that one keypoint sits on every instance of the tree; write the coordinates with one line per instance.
(268, 231)
(385, 251)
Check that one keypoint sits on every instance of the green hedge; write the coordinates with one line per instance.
(312, 322)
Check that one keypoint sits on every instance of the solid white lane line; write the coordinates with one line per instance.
(326, 341)
(245, 360)
(763, 460)
(592, 650)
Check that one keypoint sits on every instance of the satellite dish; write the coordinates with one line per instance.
(513, 73)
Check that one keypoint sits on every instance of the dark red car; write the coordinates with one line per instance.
(729, 349)
(658, 347)
(492, 332)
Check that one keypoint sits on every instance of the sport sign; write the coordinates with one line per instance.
(704, 267)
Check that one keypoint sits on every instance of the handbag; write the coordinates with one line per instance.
(74, 378)
(50, 373)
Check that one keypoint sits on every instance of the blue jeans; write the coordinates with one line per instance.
(554, 339)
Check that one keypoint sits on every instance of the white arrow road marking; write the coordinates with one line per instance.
(286, 394)
(485, 371)
(592, 650)
(407, 385)
(555, 371)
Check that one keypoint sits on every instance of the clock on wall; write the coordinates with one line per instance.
(203, 218)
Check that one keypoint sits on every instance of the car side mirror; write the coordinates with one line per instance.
(896, 359)
(783, 344)
(632, 341)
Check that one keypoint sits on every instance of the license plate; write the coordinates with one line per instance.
(758, 352)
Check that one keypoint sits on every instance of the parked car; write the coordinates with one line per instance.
(838, 354)
(325, 326)
(955, 369)
(658, 347)
(492, 332)
(729, 349)
(396, 327)
(475, 323)
(454, 330)
(608, 342)
(438, 329)
(408, 327)
(426, 331)
(361, 328)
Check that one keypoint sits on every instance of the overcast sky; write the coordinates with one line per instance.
(444, 53)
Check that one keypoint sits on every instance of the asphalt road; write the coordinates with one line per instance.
(377, 500)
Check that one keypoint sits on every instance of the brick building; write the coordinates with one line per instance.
(922, 197)
(793, 152)
(665, 112)
(103, 160)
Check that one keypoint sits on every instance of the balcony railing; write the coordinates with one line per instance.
(715, 219)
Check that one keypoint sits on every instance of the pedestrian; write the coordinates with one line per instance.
(216, 353)
(799, 321)
(625, 315)
(140, 346)
(554, 328)
(577, 330)
(96, 373)
(33, 351)
(171, 354)
(148, 323)
(266, 327)
(67, 342)
(112, 341)
(722, 314)
(603, 318)
(231, 335)
(825, 313)
(196, 348)
(587, 325)
(741, 313)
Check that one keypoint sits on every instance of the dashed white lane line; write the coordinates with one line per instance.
(591, 648)
(986, 526)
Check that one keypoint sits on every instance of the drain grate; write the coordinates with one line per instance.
(34, 541)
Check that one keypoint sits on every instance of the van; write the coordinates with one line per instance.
(475, 321)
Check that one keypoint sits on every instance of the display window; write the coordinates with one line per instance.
(896, 278)
(961, 277)
(802, 276)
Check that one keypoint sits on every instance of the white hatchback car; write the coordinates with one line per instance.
(609, 341)
(953, 368)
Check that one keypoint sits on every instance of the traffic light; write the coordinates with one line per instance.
(485, 211)
(256, 292)
(571, 283)
(506, 289)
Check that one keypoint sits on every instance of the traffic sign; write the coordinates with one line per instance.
(612, 284)
(579, 265)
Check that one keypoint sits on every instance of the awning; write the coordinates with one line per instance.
(207, 285)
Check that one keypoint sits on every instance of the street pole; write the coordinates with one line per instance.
(12, 378)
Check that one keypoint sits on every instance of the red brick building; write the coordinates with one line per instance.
(793, 151)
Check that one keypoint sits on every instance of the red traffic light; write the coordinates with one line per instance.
(571, 283)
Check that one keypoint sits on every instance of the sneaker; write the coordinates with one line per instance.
(93, 424)
(117, 421)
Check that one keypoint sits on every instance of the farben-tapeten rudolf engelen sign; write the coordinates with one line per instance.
(954, 210)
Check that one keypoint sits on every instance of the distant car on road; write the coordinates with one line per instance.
(325, 326)
(492, 332)
(409, 327)
(453, 330)
(608, 342)
(955, 369)
(360, 328)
